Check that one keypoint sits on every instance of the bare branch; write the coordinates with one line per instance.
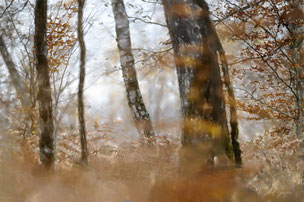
(148, 22)
(7, 7)
(235, 11)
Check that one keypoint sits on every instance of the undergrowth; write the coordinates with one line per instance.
(136, 171)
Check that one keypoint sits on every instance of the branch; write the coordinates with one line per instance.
(7, 8)
(24, 5)
(275, 72)
(148, 22)
(235, 11)
(152, 51)
(265, 104)
(14, 74)
(266, 30)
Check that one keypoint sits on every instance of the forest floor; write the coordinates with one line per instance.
(138, 173)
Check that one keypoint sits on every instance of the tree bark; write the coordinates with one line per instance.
(234, 133)
(216, 45)
(135, 100)
(19, 86)
(297, 49)
(203, 108)
(81, 111)
(44, 89)
(15, 77)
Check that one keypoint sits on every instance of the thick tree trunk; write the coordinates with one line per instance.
(81, 113)
(44, 89)
(135, 100)
(205, 125)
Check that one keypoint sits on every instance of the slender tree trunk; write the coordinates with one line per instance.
(297, 49)
(44, 89)
(234, 133)
(299, 118)
(135, 100)
(81, 111)
(19, 86)
(216, 45)
(15, 77)
(205, 125)
(298, 58)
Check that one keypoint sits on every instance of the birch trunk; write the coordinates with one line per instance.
(135, 100)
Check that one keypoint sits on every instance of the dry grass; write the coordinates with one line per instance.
(279, 164)
(139, 172)
(127, 173)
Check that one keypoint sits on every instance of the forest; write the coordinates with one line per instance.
(151, 101)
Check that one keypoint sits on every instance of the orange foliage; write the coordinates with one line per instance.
(60, 38)
(269, 72)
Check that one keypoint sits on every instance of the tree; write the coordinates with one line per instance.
(21, 72)
(135, 100)
(61, 41)
(203, 108)
(15, 77)
(272, 58)
(23, 95)
(158, 58)
(81, 113)
(234, 133)
(44, 89)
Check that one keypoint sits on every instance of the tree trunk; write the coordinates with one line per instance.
(81, 118)
(44, 89)
(297, 49)
(234, 133)
(135, 100)
(299, 118)
(15, 77)
(205, 131)
(216, 45)
(19, 86)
